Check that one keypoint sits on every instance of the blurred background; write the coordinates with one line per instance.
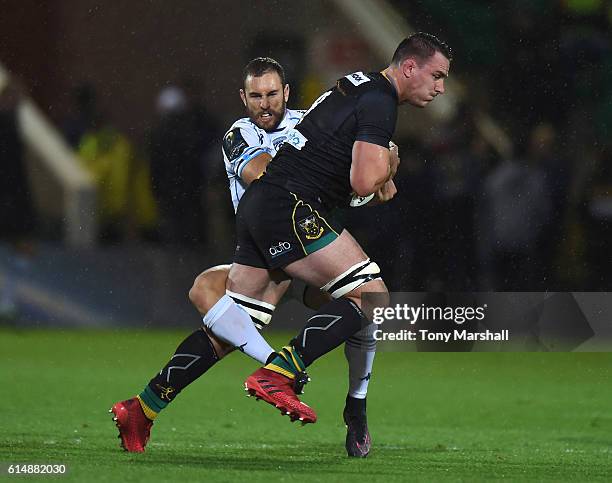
(113, 191)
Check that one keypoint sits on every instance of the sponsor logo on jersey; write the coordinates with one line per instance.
(280, 248)
(357, 78)
(296, 139)
(310, 226)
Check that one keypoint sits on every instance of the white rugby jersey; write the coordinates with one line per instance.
(244, 141)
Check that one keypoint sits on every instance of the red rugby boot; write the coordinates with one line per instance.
(278, 390)
(134, 426)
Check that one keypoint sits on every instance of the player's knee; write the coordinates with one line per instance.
(314, 298)
(362, 277)
(203, 296)
(376, 287)
(207, 289)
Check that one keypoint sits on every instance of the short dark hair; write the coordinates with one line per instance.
(421, 46)
(262, 65)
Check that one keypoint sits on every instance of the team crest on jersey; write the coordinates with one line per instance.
(278, 141)
(234, 144)
(311, 227)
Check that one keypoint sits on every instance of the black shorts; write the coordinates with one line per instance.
(274, 227)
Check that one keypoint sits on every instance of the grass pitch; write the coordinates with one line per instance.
(433, 416)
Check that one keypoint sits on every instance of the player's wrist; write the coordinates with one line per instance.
(394, 159)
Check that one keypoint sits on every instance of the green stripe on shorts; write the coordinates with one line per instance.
(320, 243)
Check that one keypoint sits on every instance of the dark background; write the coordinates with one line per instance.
(469, 215)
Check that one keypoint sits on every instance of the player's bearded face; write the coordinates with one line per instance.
(265, 99)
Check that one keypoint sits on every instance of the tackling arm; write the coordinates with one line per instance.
(255, 168)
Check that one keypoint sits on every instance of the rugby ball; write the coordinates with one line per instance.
(357, 200)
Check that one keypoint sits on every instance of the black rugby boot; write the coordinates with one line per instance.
(358, 441)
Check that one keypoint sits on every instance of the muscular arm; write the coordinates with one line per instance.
(255, 168)
(372, 163)
(370, 167)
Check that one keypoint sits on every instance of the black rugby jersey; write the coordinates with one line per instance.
(315, 160)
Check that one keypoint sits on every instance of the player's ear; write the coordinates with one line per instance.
(286, 92)
(408, 66)
(243, 97)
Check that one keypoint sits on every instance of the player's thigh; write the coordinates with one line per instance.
(258, 283)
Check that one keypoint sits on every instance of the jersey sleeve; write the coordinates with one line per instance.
(240, 145)
(376, 116)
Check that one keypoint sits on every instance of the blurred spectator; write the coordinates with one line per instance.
(544, 153)
(83, 117)
(597, 212)
(178, 145)
(455, 174)
(126, 207)
(516, 210)
(16, 210)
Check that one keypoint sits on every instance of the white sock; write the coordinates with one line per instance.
(230, 322)
(360, 350)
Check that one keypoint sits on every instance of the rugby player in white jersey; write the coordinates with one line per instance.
(248, 147)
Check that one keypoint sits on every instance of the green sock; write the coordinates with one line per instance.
(286, 362)
(151, 404)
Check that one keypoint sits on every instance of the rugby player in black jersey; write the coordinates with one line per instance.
(339, 151)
